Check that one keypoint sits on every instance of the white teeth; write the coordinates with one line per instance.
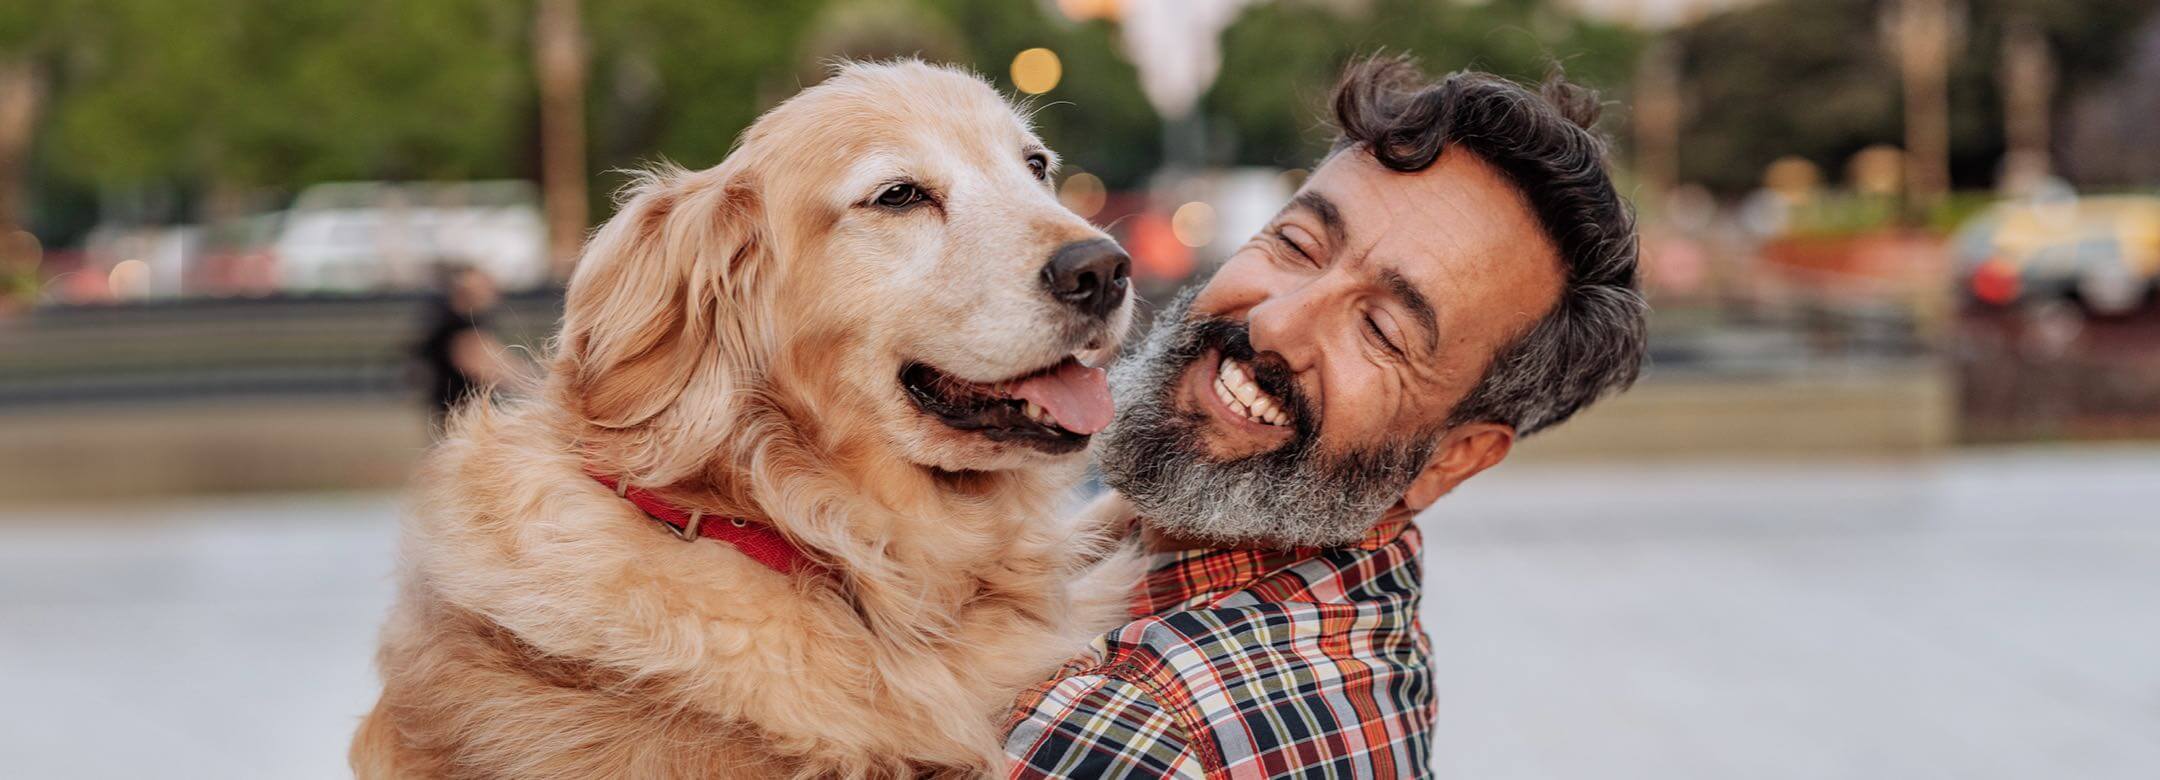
(1236, 390)
(1035, 412)
(1234, 386)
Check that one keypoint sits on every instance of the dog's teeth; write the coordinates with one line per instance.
(1032, 411)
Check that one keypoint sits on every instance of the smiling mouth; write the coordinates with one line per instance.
(1054, 409)
(1235, 387)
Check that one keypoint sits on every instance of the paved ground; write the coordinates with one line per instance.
(1985, 616)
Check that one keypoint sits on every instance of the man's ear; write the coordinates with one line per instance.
(1464, 451)
(639, 314)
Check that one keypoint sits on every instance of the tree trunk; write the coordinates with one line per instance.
(20, 95)
(559, 61)
(1657, 120)
(2028, 74)
(1925, 31)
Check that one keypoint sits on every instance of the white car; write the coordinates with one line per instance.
(375, 235)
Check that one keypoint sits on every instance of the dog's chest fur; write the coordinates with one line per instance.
(547, 629)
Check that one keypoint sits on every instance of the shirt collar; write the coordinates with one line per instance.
(1189, 579)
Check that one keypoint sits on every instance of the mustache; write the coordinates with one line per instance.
(1270, 372)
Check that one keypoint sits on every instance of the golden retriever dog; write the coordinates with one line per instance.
(856, 345)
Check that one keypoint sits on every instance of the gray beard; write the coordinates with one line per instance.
(1293, 496)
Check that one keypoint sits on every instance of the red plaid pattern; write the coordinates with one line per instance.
(1248, 664)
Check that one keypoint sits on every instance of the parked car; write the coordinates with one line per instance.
(377, 235)
(2102, 252)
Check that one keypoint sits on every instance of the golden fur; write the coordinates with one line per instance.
(730, 340)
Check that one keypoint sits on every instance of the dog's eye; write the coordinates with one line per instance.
(1040, 166)
(900, 196)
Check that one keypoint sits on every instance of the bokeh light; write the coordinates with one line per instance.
(1084, 193)
(20, 249)
(1037, 71)
(129, 279)
(1083, 10)
(1194, 224)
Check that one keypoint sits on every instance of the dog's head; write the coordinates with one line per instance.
(881, 260)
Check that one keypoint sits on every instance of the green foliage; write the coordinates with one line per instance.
(678, 79)
(1097, 117)
(268, 93)
(1807, 78)
(1814, 78)
(1281, 59)
(273, 95)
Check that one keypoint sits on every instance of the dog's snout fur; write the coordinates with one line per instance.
(1090, 276)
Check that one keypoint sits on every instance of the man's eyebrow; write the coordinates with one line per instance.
(1330, 217)
(1420, 307)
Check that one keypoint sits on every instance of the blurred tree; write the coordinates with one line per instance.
(1807, 78)
(678, 79)
(281, 93)
(1281, 59)
(1811, 78)
(1096, 117)
(32, 37)
(222, 106)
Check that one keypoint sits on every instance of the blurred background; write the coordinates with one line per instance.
(1883, 506)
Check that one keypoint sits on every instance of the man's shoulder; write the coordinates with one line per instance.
(1286, 686)
(1274, 665)
(1247, 651)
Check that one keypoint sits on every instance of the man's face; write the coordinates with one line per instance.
(1304, 389)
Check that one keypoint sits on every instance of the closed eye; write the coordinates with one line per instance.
(1381, 334)
(1285, 240)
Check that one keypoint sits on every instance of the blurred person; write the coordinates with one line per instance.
(458, 353)
(1457, 273)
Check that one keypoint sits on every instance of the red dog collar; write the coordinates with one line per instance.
(761, 542)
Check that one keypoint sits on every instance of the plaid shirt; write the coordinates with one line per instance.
(1248, 664)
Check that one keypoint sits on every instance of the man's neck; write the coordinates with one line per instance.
(1160, 541)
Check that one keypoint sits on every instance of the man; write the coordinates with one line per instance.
(1458, 272)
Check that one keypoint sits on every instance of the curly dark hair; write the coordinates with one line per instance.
(1591, 343)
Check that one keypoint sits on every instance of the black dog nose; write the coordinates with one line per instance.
(1089, 275)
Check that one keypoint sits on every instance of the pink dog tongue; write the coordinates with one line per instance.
(1078, 396)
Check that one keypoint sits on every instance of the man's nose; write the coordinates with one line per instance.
(1090, 276)
(1284, 324)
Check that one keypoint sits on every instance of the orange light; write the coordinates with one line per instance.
(1996, 282)
(1036, 71)
(1084, 194)
(1194, 224)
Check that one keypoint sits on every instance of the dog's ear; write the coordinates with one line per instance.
(641, 310)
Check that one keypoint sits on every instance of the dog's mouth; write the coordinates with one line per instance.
(1053, 409)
